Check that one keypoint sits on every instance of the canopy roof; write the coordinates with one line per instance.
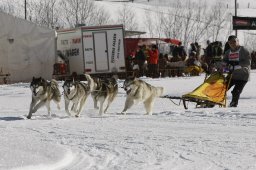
(26, 49)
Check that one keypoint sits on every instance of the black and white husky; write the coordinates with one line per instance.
(75, 92)
(139, 91)
(42, 94)
(103, 90)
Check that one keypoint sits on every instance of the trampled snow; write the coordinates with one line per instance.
(172, 138)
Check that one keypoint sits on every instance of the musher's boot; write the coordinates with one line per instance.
(234, 101)
(233, 104)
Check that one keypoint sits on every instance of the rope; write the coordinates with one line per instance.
(106, 84)
(172, 97)
(175, 103)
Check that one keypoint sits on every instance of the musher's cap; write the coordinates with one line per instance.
(232, 37)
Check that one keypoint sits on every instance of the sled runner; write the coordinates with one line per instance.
(212, 92)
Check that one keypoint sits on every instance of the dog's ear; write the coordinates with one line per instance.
(132, 78)
(33, 78)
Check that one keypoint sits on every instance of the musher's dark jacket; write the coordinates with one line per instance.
(243, 66)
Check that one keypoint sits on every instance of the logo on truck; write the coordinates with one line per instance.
(88, 49)
(113, 49)
(87, 36)
(76, 40)
(119, 48)
(64, 42)
(72, 52)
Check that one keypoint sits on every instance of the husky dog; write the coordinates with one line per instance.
(102, 90)
(140, 91)
(42, 93)
(77, 93)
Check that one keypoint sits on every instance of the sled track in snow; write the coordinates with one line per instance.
(79, 153)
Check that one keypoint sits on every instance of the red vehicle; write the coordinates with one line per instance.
(164, 44)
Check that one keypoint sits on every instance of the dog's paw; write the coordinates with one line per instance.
(101, 112)
(49, 116)
(68, 112)
(73, 110)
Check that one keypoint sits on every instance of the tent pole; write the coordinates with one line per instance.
(25, 9)
(236, 14)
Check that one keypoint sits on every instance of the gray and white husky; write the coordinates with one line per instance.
(102, 90)
(139, 91)
(75, 92)
(42, 94)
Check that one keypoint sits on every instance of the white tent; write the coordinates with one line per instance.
(26, 50)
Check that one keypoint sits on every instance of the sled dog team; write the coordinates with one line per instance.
(103, 91)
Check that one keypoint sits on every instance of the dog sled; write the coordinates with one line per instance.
(212, 92)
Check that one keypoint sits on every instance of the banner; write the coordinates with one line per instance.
(244, 23)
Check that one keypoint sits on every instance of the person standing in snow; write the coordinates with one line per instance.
(140, 60)
(153, 61)
(239, 61)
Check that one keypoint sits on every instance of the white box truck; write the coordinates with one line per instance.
(90, 49)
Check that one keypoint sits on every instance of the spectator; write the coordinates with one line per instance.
(130, 62)
(213, 56)
(253, 56)
(175, 51)
(227, 47)
(193, 65)
(198, 49)
(140, 59)
(238, 57)
(182, 52)
(174, 66)
(163, 59)
(208, 52)
(192, 48)
(190, 61)
(208, 42)
(153, 61)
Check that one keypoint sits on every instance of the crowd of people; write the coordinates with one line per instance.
(147, 61)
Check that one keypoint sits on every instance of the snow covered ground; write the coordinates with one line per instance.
(172, 138)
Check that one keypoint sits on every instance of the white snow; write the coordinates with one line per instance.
(172, 138)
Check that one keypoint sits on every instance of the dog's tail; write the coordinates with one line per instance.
(56, 91)
(159, 91)
(90, 82)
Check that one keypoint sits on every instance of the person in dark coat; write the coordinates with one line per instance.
(140, 58)
(239, 61)
(162, 63)
(226, 47)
